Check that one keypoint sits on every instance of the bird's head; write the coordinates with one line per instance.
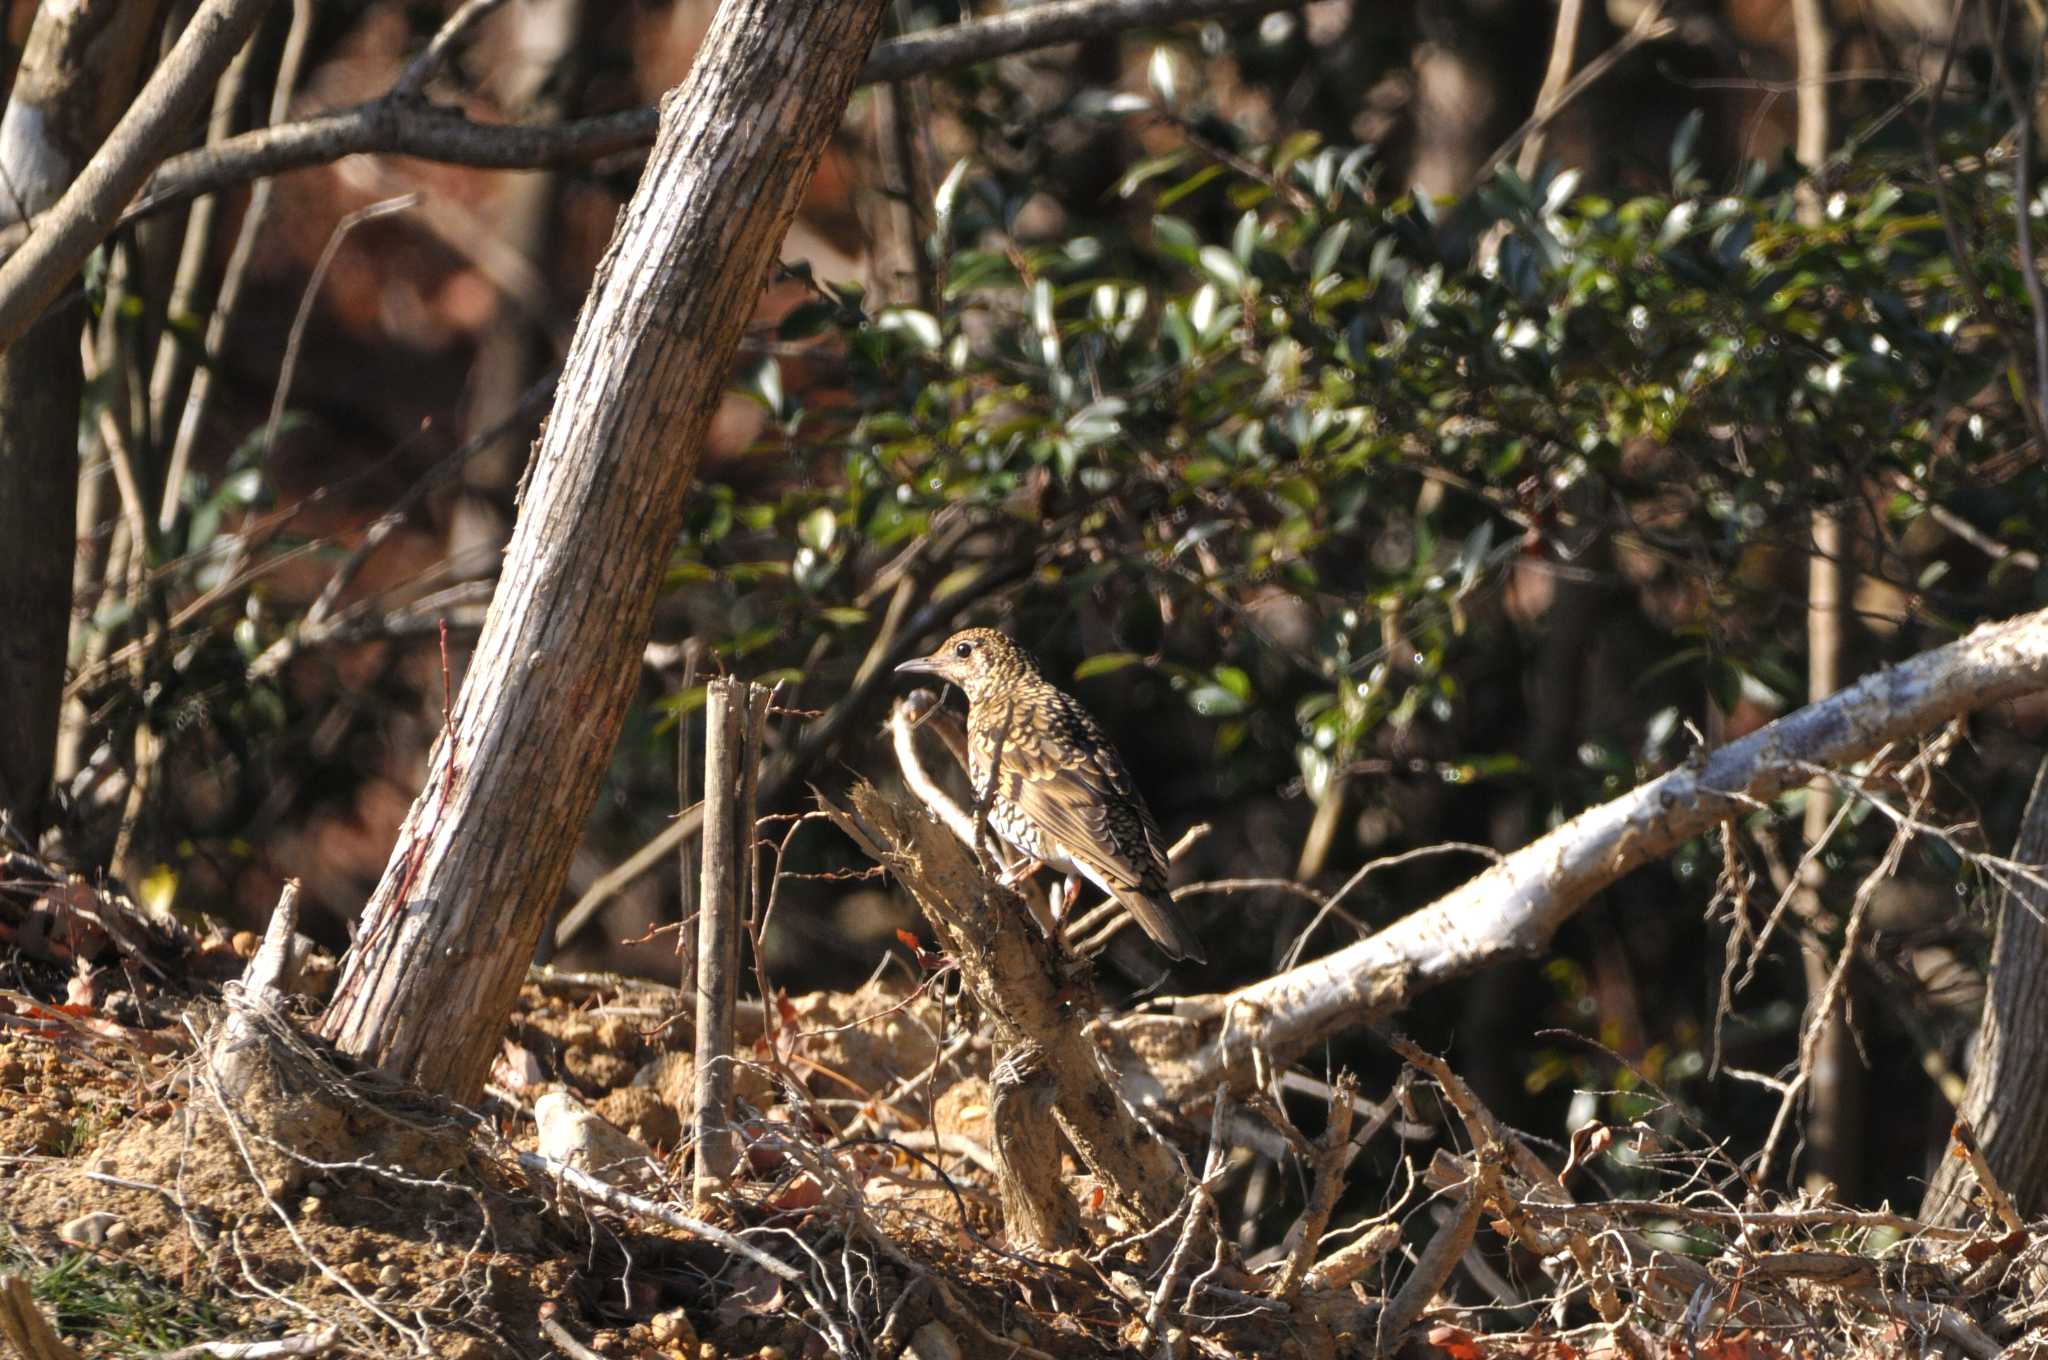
(978, 660)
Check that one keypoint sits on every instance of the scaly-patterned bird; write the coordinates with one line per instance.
(1064, 798)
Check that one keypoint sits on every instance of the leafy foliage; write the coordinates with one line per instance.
(1293, 396)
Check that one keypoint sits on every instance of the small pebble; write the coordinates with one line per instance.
(309, 1206)
(88, 1230)
(120, 1237)
(391, 1277)
(933, 1341)
(672, 1328)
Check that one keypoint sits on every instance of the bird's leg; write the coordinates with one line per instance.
(1064, 896)
(1019, 870)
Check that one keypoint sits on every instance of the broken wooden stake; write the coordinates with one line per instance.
(735, 719)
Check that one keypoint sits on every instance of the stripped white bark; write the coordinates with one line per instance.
(1515, 907)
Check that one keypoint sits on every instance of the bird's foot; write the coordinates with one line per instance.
(1020, 871)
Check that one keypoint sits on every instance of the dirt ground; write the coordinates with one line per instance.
(406, 1225)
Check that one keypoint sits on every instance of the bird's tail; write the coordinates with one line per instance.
(1160, 919)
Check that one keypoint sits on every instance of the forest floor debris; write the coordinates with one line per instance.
(332, 1211)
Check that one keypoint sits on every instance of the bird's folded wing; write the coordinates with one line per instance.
(1090, 807)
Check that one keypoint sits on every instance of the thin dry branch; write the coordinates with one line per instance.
(318, 1341)
(1564, 43)
(391, 125)
(1332, 1156)
(1439, 1259)
(590, 1187)
(1994, 1194)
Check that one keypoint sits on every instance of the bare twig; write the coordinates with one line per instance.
(1438, 1260)
(564, 1339)
(235, 273)
(1650, 26)
(348, 223)
(440, 48)
(1332, 1157)
(2022, 98)
(319, 1341)
(1950, 1324)
(1810, 25)
(686, 860)
(404, 127)
(1353, 1259)
(1564, 45)
(625, 1202)
(1331, 906)
(173, 364)
(1994, 1194)
(608, 885)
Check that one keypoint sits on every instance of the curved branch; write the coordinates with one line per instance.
(1513, 908)
(398, 124)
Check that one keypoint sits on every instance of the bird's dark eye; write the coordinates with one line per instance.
(963, 650)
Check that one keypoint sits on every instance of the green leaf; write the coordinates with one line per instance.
(1724, 683)
(1160, 74)
(1327, 250)
(1173, 194)
(920, 327)
(1150, 168)
(1102, 663)
(818, 529)
(1222, 266)
(1227, 694)
(942, 205)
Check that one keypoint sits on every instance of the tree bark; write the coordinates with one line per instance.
(484, 852)
(1513, 908)
(77, 70)
(2007, 1096)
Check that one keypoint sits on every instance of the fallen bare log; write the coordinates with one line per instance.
(1515, 907)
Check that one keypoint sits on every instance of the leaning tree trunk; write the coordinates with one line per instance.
(78, 70)
(2007, 1098)
(484, 852)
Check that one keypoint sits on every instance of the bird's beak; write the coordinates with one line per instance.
(921, 665)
